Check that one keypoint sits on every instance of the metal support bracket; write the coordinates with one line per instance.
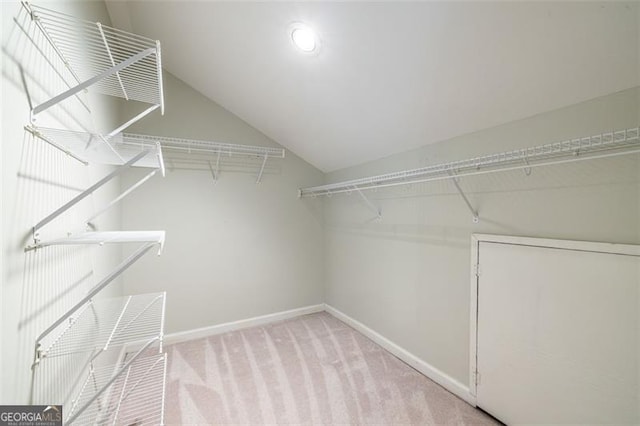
(88, 192)
(124, 194)
(160, 159)
(454, 179)
(215, 172)
(264, 163)
(527, 170)
(133, 120)
(372, 207)
(218, 166)
(214, 175)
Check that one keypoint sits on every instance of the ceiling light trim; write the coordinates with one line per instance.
(306, 41)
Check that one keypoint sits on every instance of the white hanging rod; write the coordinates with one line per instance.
(111, 61)
(621, 142)
(202, 147)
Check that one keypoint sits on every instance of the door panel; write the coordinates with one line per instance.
(558, 335)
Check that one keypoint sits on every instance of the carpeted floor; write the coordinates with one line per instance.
(312, 369)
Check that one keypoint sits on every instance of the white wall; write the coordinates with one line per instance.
(407, 277)
(38, 287)
(234, 249)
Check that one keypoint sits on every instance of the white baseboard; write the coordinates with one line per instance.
(443, 379)
(199, 333)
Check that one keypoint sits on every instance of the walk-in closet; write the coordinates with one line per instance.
(320, 212)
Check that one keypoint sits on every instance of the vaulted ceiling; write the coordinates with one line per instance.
(390, 76)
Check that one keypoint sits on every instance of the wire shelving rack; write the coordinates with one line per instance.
(135, 396)
(621, 142)
(103, 358)
(94, 148)
(217, 151)
(104, 334)
(107, 60)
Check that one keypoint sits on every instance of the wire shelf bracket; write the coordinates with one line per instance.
(610, 144)
(376, 210)
(264, 163)
(455, 179)
(110, 61)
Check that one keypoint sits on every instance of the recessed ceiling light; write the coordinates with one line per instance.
(304, 38)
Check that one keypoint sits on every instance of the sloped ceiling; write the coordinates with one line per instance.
(390, 76)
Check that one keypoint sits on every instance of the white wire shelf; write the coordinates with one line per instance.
(94, 148)
(121, 393)
(110, 61)
(107, 237)
(102, 324)
(87, 359)
(193, 146)
(621, 142)
(99, 149)
(216, 152)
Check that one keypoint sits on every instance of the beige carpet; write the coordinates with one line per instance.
(312, 369)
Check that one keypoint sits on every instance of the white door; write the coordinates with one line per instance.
(558, 335)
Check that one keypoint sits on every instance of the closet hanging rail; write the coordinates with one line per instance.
(621, 142)
(110, 61)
